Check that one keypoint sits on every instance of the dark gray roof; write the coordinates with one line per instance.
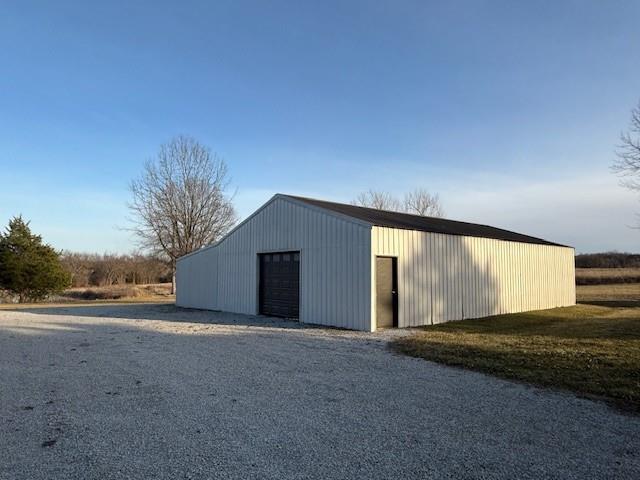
(384, 218)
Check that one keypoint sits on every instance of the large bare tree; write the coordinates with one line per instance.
(180, 202)
(418, 202)
(627, 163)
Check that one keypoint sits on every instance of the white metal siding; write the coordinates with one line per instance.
(335, 276)
(449, 277)
(197, 280)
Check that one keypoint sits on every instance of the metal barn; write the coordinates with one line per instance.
(346, 266)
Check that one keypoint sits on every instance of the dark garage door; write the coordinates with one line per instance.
(280, 284)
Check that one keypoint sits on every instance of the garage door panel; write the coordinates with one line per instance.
(280, 284)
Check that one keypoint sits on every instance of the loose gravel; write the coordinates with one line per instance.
(154, 391)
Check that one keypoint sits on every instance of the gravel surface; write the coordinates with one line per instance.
(154, 391)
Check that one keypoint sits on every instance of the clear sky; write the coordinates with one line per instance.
(510, 110)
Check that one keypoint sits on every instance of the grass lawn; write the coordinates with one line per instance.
(593, 350)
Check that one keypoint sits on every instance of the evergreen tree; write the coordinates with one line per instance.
(29, 268)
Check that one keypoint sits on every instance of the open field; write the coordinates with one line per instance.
(595, 276)
(155, 391)
(156, 292)
(592, 349)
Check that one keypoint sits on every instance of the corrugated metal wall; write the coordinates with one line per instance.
(448, 277)
(335, 275)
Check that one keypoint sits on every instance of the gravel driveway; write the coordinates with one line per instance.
(153, 391)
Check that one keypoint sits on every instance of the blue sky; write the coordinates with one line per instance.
(511, 111)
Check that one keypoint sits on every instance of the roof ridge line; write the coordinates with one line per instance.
(408, 221)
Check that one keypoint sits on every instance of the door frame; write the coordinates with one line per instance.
(395, 292)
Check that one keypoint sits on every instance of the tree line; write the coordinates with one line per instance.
(99, 270)
(608, 260)
(416, 202)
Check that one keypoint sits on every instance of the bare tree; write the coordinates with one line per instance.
(109, 270)
(421, 202)
(628, 162)
(418, 202)
(77, 267)
(180, 202)
(378, 200)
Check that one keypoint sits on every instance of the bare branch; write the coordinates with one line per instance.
(627, 164)
(378, 200)
(421, 202)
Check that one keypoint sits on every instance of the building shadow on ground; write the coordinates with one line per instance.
(164, 312)
(612, 303)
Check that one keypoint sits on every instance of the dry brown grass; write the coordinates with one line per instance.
(112, 293)
(591, 349)
(619, 295)
(157, 292)
(116, 292)
(594, 276)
